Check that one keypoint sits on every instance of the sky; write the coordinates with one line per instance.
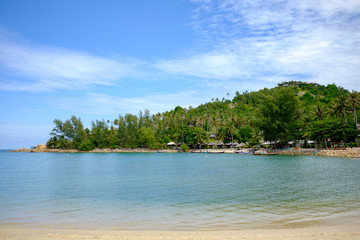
(101, 59)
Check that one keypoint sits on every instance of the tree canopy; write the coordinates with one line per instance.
(292, 111)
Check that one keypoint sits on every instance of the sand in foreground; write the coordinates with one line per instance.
(329, 233)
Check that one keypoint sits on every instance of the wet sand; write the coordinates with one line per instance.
(328, 232)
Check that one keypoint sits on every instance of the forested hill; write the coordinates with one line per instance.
(292, 111)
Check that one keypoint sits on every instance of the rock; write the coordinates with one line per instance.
(40, 147)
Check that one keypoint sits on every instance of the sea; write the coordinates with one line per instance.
(177, 191)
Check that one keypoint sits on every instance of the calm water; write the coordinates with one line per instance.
(177, 191)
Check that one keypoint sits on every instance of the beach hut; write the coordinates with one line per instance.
(212, 136)
(220, 144)
(211, 144)
(228, 145)
(240, 145)
(171, 144)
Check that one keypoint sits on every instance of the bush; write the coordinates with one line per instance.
(351, 144)
(184, 147)
(86, 145)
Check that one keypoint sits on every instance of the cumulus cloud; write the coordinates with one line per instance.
(29, 67)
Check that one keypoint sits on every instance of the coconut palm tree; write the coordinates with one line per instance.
(200, 121)
(199, 135)
(319, 112)
(215, 122)
(222, 133)
(354, 100)
(341, 105)
(232, 129)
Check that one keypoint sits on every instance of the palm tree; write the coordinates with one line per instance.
(199, 136)
(200, 122)
(341, 105)
(319, 112)
(232, 129)
(215, 122)
(354, 100)
(222, 133)
(257, 135)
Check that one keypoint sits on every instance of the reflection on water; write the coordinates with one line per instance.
(177, 191)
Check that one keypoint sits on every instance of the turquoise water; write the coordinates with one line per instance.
(177, 191)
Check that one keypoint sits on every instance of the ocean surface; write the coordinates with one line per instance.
(179, 191)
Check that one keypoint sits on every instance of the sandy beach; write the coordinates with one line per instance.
(329, 233)
(348, 152)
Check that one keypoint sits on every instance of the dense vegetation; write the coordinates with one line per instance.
(292, 111)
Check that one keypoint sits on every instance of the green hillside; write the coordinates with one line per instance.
(291, 112)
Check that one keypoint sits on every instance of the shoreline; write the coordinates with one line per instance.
(325, 232)
(347, 153)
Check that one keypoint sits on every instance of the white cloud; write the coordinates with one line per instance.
(274, 41)
(39, 68)
(204, 65)
(95, 103)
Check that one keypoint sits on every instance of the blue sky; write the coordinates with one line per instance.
(101, 59)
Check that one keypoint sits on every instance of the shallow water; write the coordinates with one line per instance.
(180, 191)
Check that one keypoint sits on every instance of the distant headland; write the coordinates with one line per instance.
(292, 118)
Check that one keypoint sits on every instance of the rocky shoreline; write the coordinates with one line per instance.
(346, 152)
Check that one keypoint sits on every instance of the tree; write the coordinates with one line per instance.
(354, 100)
(131, 122)
(231, 128)
(68, 134)
(78, 133)
(246, 134)
(318, 112)
(58, 129)
(184, 147)
(222, 133)
(199, 135)
(278, 115)
(99, 132)
(335, 129)
(146, 137)
(340, 105)
(292, 111)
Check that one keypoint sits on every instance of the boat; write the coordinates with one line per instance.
(243, 152)
(257, 153)
(265, 152)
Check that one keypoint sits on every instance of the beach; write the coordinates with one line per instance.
(328, 233)
(345, 152)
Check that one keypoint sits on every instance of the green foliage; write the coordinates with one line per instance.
(335, 129)
(184, 147)
(146, 137)
(86, 145)
(278, 115)
(245, 133)
(292, 111)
